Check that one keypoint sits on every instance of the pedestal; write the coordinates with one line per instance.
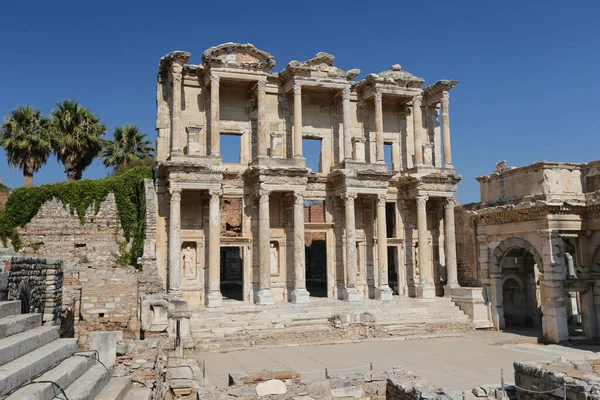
(214, 299)
(426, 292)
(352, 295)
(448, 290)
(300, 296)
(264, 297)
(384, 294)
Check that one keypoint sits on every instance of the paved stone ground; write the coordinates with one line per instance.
(458, 363)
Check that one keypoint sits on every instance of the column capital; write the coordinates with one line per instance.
(176, 72)
(260, 193)
(445, 99)
(450, 202)
(297, 89)
(483, 238)
(261, 85)
(378, 96)
(175, 193)
(214, 79)
(421, 200)
(417, 100)
(349, 197)
(381, 198)
(298, 197)
(215, 193)
(346, 93)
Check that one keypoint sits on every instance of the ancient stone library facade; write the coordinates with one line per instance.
(240, 216)
(534, 242)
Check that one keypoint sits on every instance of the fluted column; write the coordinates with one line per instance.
(426, 288)
(175, 243)
(214, 297)
(297, 121)
(177, 131)
(346, 121)
(446, 129)
(384, 293)
(264, 295)
(261, 122)
(352, 293)
(300, 294)
(418, 129)
(379, 126)
(215, 132)
(450, 248)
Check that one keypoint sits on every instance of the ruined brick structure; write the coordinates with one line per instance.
(536, 238)
(374, 229)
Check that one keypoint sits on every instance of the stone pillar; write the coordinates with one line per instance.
(264, 295)
(418, 130)
(300, 295)
(215, 132)
(175, 243)
(346, 121)
(446, 129)
(426, 288)
(214, 297)
(297, 121)
(450, 246)
(177, 131)
(554, 319)
(383, 293)
(261, 88)
(352, 293)
(379, 127)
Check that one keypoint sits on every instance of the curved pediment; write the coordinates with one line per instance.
(396, 76)
(320, 66)
(237, 55)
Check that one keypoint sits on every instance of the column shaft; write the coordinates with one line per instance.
(384, 292)
(450, 241)
(214, 297)
(261, 122)
(418, 129)
(426, 288)
(176, 125)
(352, 293)
(446, 129)
(215, 133)
(379, 126)
(297, 121)
(346, 122)
(300, 294)
(264, 295)
(175, 243)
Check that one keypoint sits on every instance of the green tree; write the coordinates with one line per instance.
(76, 133)
(128, 144)
(25, 138)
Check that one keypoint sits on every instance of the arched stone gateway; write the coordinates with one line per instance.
(513, 243)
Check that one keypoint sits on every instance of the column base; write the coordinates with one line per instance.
(214, 299)
(448, 289)
(384, 294)
(300, 296)
(352, 295)
(264, 297)
(426, 292)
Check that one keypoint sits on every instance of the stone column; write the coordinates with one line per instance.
(214, 297)
(346, 121)
(175, 243)
(450, 248)
(177, 131)
(384, 293)
(554, 320)
(379, 127)
(446, 129)
(262, 123)
(264, 295)
(352, 293)
(215, 132)
(418, 130)
(300, 295)
(426, 288)
(297, 121)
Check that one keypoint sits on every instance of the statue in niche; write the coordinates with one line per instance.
(189, 263)
(274, 258)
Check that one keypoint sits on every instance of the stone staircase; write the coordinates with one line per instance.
(36, 364)
(235, 325)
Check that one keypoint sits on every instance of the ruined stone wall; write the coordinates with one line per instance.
(37, 282)
(466, 244)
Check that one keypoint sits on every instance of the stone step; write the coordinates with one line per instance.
(17, 345)
(13, 324)
(25, 368)
(88, 385)
(64, 374)
(115, 389)
(10, 308)
(138, 393)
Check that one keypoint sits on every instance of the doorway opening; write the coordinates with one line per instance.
(392, 273)
(232, 280)
(316, 263)
(520, 290)
(574, 314)
(231, 148)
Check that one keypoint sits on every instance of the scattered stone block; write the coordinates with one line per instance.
(271, 387)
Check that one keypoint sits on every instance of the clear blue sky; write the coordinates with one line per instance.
(527, 70)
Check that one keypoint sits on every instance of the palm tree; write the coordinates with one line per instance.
(25, 138)
(128, 144)
(76, 135)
